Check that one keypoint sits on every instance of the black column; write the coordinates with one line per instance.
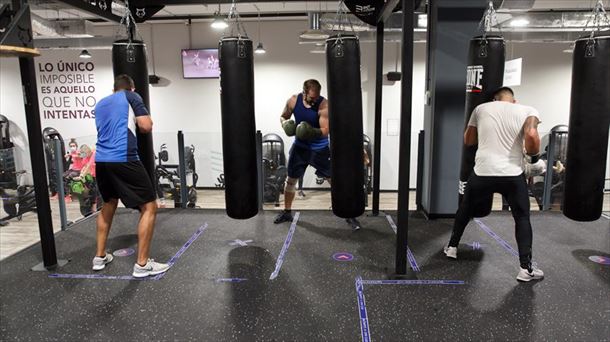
(404, 158)
(378, 107)
(451, 25)
(39, 172)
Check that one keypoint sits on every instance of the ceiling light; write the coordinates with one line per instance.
(260, 49)
(519, 22)
(570, 49)
(219, 22)
(85, 54)
(318, 50)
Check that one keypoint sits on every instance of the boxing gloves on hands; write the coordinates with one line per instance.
(533, 166)
(304, 131)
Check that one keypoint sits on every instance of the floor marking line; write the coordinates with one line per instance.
(413, 282)
(496, 237)
(410, 256)
(280, 258)
(172, 261)
(606, 216)
(365, 331)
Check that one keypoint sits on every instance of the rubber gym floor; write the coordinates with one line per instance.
(219, 288)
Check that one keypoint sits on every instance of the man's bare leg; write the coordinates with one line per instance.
(289, 194)
(104, 223)
(146, 227)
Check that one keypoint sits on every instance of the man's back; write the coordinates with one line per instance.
(116, 126)
(500, 137)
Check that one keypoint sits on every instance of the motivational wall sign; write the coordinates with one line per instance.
(67, 90)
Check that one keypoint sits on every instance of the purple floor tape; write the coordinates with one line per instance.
(413, 282)
(280, 258)
(496, 237)
(231, 280)
(172, 261)
(364, 320)
(410, 256)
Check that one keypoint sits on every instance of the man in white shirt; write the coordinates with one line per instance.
(502, 129)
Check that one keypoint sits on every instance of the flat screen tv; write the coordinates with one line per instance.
(200, 63)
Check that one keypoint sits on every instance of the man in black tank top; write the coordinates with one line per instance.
(310, 129)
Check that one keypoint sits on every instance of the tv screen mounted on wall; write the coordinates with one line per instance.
(200, 63)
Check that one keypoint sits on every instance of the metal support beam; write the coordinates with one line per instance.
(145, 3)
(404, 159)
(98, 8)
(378, 114)
(182, 171)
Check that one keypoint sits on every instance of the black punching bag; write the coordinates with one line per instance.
(130, 59)
(238, 127)
(485, 74)
(345, 120)
(588, 132)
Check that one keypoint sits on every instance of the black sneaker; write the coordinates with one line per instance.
(284, 216)
(354, 223)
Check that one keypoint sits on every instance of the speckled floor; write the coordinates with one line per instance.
(314, 297)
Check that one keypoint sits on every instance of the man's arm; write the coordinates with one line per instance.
(323, 113)
(470, 136)
(288, 108)
(531, 136)
(143, 119)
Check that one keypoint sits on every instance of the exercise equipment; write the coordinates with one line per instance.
(8, 178)
(19, 202)
(485, 74)
(589, 122)
(346, 137)
(129, 58)
(168, 177)
(238, 127)
(49, 135)
(274, 168)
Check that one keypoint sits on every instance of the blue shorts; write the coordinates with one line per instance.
(300, 157)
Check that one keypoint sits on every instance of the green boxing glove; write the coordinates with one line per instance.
(306, 132)
(289, 127)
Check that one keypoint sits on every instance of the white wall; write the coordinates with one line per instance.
(193, 106)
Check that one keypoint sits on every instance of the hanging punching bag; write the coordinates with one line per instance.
(238, 127)
(485, 74)
(130, 59)
(588, 130)
(345, 123)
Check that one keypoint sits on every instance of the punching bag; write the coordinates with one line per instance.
(238, 127)
(588, 130)
(484, 75)
(130, 59)
(345, 123)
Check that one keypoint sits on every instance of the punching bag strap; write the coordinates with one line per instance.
(482, 53)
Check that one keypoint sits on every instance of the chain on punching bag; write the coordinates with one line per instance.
(129, 58)
(588, 130)
(345, 123)
(238, 127)
(485, 74)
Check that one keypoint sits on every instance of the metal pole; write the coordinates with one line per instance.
(182, 170)
(378, 107)
(420, 170)
(259, 168)
(39, 172)
(404, 159)
(548, 176)
(61, 193)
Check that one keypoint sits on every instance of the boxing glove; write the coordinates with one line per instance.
(289, 127)
(534, 169)
(306, 132)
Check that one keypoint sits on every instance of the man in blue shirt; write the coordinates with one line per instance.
(121, 175)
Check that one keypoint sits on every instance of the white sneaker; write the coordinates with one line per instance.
(450, 252)
(527, 275)
(100, 263)
(151, 268)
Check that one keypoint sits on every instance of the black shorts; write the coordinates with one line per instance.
(300, 157)
(127, 181)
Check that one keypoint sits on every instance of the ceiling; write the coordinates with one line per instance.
(52, 9)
